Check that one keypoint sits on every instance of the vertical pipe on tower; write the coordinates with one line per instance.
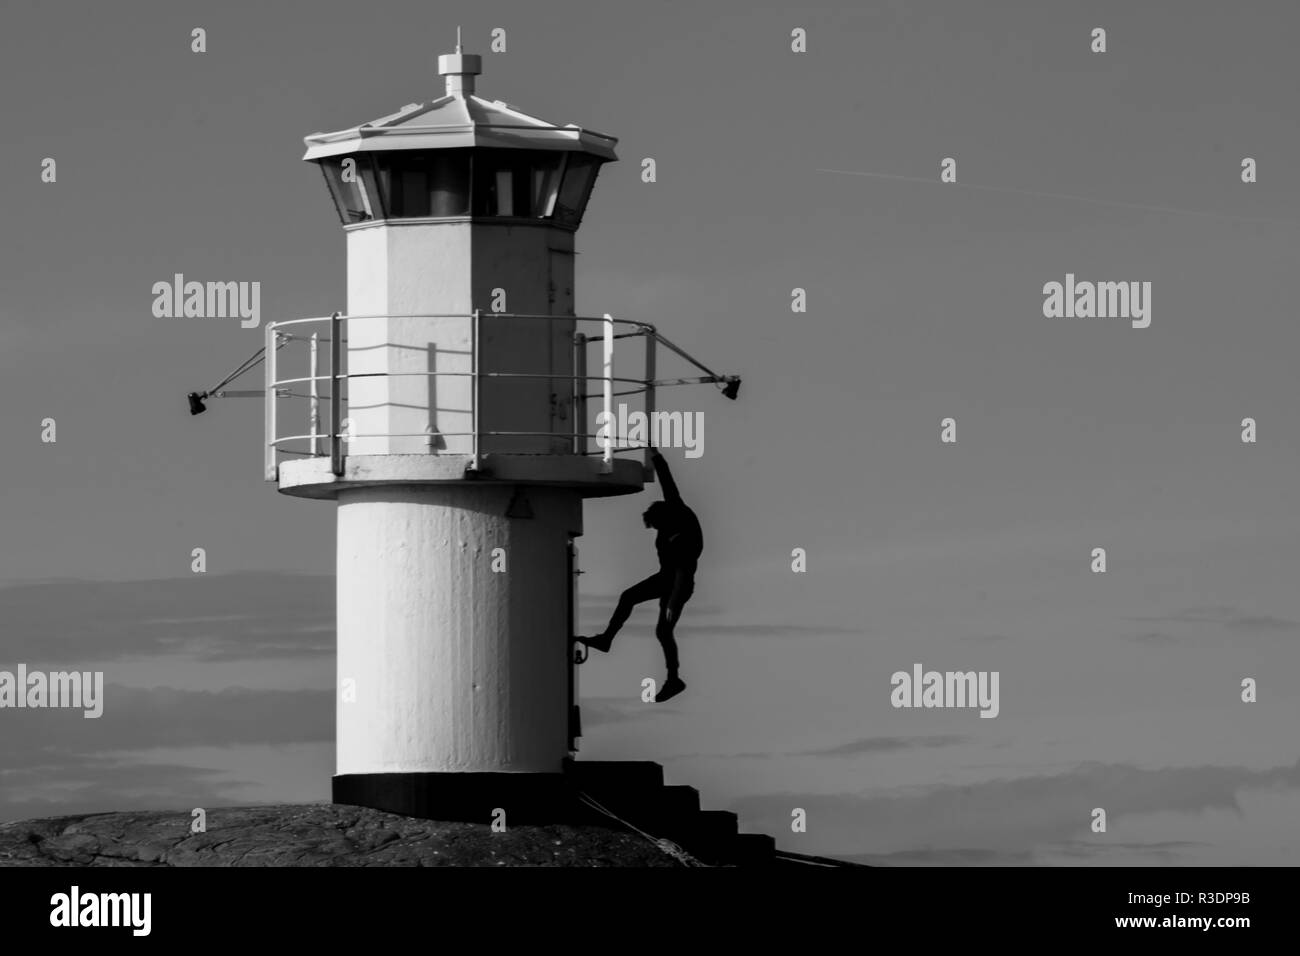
(269, 362)
(650, 373)
(336, 393)
(607, 463)
(579, 393)
(314, 392)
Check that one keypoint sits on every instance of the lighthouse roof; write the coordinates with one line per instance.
(457, 120)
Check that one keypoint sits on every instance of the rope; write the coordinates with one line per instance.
(661, 843)
(244, 367)
(251, 362)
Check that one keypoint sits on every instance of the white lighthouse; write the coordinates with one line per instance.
(459, 434)
(449, 414)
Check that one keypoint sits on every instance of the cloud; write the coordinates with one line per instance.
(1164, 851)
(57, 761)
(615, 710)
(767, 630)
(597, 610)
(865, 745)
(872, 745)
(209, 616)
(102, 784)
(698, 628)
(1154, 639)
(602, 605)
(137, 718)
(1022, 815)
(1233, 618)
(953, 857)
(752, 755)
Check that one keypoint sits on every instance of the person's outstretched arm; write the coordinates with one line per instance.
(665, 477)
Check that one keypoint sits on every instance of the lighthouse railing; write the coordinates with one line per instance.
(338, 437)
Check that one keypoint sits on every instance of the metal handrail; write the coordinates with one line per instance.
(566, 434)
(276, 387)
(348, 375)
(542, 316)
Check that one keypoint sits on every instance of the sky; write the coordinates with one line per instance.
(775, 170)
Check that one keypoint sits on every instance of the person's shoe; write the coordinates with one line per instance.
(599, 641)
(672, 687)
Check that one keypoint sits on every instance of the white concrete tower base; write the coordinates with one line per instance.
(456, 668)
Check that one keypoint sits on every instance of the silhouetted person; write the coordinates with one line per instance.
(679, 542)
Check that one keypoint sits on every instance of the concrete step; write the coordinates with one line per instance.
(635, 791)
(658, 811)
(722, 822)
(679, 800)
(611, 778)
(709, 834)
(752, 849)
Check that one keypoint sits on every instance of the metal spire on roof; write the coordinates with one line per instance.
(460, 69)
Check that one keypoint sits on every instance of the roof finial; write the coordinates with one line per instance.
(460, 69)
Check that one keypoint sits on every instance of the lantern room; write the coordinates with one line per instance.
(453, 209)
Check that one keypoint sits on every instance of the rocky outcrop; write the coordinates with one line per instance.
(311, 835)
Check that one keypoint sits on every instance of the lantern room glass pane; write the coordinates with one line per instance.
(352, 185)
(424, 183)
(449, 184)
(579, 176)
(494, 182)
(546, 183)
(504, 192)
(516, 182)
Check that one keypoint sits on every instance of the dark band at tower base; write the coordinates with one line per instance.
(532, 798)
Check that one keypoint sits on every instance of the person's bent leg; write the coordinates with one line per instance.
(664, 631)
(651, 587)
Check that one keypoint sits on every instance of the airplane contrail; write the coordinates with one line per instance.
(1045, 195)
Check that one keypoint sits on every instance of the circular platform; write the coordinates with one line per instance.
(313, 477)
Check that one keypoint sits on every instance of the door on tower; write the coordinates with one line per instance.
(577, 653)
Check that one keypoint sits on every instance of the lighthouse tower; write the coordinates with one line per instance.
(459, 459)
